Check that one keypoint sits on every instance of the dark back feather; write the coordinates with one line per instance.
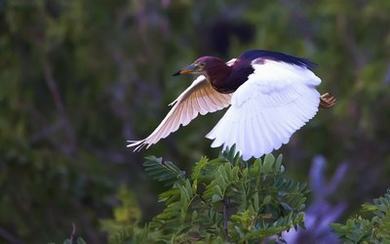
(277, 56)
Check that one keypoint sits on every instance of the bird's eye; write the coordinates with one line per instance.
(201, 65)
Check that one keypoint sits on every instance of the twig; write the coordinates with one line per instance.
(47, 71)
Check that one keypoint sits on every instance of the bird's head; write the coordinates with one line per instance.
(202, 66)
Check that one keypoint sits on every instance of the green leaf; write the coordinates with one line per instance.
(199, 166)
(268, 163)
(162, 171)
(232, 155)
(278, 163)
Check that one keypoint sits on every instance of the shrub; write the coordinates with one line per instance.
(224, 200)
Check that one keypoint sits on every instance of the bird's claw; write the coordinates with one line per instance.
(327, 100)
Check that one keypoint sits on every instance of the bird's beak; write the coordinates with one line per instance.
(186, 70)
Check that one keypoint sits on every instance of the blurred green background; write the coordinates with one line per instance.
(79, 77)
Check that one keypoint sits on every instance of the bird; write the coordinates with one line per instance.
(269, 95)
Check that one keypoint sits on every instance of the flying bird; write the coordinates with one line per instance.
(270, 95)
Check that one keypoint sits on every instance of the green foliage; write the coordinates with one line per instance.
(225, 199)
(162, 171)
(375, 228)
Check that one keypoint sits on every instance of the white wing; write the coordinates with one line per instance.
(275, 101)
(199, 98)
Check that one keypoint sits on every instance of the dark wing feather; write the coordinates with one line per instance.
(277, 56)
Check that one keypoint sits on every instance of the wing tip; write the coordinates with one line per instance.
(137, 145)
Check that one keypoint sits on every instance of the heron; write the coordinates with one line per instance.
(269, 95)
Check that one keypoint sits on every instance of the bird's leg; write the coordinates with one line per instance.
(327, 100)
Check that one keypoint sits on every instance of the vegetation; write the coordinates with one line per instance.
(375, 228)
(224, 200)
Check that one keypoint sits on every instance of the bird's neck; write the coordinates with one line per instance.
(228, 79)
(219, 76)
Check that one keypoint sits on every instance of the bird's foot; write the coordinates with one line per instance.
(327, 101)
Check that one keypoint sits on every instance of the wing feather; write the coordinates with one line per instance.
(275, 101)
(199, 98)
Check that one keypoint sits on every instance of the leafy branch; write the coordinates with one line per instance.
(224, 200)
(375, 228)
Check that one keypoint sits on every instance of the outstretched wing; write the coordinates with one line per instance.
(199, 98)
(275, 101)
